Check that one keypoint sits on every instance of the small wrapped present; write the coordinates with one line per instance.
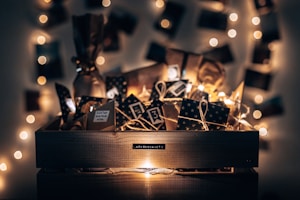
(145, 78)
(188, 63)
(201, 115)
(131, 108)
(151, 119)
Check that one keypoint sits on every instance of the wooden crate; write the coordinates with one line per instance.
(135, 149)
(243, 184)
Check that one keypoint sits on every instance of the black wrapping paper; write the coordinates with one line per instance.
(215, 116)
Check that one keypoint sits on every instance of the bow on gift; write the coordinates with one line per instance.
(176, 89)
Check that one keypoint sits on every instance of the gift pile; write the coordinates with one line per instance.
(181, 93)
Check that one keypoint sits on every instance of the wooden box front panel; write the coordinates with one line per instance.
(167, 149)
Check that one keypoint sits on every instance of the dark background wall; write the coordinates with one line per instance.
(278, 164)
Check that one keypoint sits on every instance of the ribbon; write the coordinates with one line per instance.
(164, 90)
(140, 120)
(203, 113)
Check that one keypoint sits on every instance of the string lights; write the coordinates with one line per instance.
(166, 25)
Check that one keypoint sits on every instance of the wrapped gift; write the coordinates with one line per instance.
(145, 77)
(202, 115)
(188, 63)
(130, 109)
(151, 119)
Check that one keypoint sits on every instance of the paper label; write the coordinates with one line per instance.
(136, 109)
(149, 146)
(155, 115)
(101, 116)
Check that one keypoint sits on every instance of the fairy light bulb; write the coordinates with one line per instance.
(255, 21)
(42, 60)
(100, 60)
(30, 119)
(106, 3)
(258, 99)
(233, 17)
(23, 135)
(41, 40)
(213, 42)
(257, 34)
(3, 167)
(263, 131)
(221, 96)
(159, 3)
(201, 87)
(232, 33)
(41, 80)
(257, 114)
(18, 155)
(43, 19)
(165, 23)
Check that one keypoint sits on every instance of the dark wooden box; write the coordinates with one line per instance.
(135, 149)
(242, 184)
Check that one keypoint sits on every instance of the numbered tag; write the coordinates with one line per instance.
(136, 109)
(177, 88)
(155, 115)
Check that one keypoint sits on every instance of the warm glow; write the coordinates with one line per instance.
(213, 42)
(228, 102)
(41, 39)
(48, 1)
(3, 167)
(255, 21)
(232, 33)
(23, 135)
(165, 23)
(147, 175)
(189, 87)
(147, 164)
(221, 96)
(42, 60)
(271, 46)
(106, 3)
(257, 35)
(100, 60)
(159, 3)
(257, 114)
(41, 80)
(263, 131)
(18, 155)
(258, 99)
(201, 87)
(43, 19)
(30, 119)
(233, 17)
(2, 184)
